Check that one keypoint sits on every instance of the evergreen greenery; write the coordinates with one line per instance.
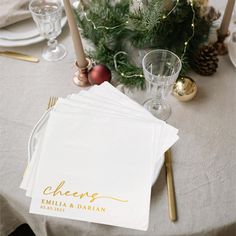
(144, 28)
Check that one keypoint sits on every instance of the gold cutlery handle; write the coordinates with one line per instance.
(170, 187)
(19, 56)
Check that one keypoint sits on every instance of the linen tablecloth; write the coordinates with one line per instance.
(203, 159)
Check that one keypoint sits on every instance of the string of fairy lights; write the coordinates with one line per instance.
(166, 15)
(121, 73)
(102, 26)
(193, 29)
(95, 27)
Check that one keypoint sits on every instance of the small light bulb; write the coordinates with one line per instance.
(163, 17)
(186, 43)
(122, 74)
(192, 25)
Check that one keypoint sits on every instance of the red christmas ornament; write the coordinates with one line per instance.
(98, 74)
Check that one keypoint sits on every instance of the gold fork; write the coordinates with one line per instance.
(52, 101)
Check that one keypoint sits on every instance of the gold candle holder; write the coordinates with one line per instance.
(220, 45)
(81, 76)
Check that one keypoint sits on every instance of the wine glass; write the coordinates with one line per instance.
(161, 69)
(47, 16)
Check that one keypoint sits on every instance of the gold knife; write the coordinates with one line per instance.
(19, 56)
(170, 186)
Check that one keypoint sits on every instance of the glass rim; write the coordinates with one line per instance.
(38, 14)
(161, 50)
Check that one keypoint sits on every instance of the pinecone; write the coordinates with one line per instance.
(205, 61)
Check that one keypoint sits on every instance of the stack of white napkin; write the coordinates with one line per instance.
(94, 159)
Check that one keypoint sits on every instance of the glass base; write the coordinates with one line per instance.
(55, 54)
(161, 111)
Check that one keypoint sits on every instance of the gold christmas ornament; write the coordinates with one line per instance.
(184, 89)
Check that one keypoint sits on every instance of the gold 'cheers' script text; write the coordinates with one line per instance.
(59, 191)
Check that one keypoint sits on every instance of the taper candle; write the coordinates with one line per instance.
(224, 27)
(79, 50)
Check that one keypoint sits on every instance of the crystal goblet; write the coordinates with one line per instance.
(47, 16)
(161, 69)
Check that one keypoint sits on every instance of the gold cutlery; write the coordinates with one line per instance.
(52, 101)
(170, 186)
(19, 56)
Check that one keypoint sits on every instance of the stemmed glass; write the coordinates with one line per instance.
(161, 69)
(47, 16)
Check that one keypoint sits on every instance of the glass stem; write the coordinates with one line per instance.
(159, 94)
(52, 44)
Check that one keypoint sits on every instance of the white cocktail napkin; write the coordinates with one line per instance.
(94, 159)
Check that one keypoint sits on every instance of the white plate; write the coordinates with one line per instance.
(23, 33)
(23, 30)
(38, 133)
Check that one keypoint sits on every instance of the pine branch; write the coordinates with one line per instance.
(146, 28)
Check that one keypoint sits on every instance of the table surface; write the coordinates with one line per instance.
(203, 159)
